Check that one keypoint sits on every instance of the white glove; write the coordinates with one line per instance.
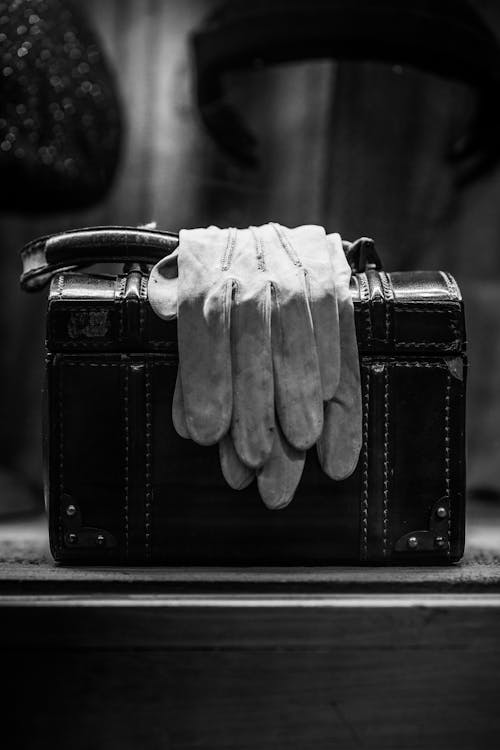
(258, 324)
(340, 443)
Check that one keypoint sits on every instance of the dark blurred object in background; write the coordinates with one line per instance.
(60, 124)
(447, 38)
(60, 142)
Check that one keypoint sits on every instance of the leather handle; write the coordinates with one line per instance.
(362, 256)
(45, 256)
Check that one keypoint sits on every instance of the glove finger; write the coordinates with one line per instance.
(252, 425)
(340, 443)
(237, 475)
(297, 381)
(163, 287)
(205, 362)
(341, 440)
(313, 251)
(324, 311)
(178, 415)
(278, 479)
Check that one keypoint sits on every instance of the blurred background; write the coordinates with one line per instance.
(358, 147)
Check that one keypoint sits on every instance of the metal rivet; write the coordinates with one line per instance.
(440, 541)
(100, 540)
(72, 538)
(71, 511)
(441, 512)
(412, 542)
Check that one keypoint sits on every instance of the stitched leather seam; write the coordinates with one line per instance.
(147, 513)
(447, 282)
(449, 285)
(91, 364)
(104, 346)
(386, 459)
(377, 299)
(430, 305)
(61, 457)
(121, 287)
(441, 366)
(445, 345)
(453, 323)
(85, 309)
(369, 362)
(447, 455)
(452, 314)
(454, 290)
(121, 305)
(388, 299)
(142, 319)
(386, 285)
(126, 458)
(427, 363)
(364, 497)
(170, 347)
(142, 307)
(115, 364)
(364, 293)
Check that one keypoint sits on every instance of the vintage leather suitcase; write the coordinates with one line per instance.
(123, 487)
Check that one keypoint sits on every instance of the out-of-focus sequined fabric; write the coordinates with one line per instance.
(60, 121)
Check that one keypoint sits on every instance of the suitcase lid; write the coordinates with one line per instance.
(418, 312)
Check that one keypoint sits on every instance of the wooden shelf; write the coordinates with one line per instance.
(238, 659)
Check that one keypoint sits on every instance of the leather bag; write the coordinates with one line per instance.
(123, 487)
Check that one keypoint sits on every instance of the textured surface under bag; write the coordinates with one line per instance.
(122, 486)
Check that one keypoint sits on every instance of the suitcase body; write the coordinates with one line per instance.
(123, 487)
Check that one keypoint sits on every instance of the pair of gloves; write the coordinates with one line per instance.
(268, 359)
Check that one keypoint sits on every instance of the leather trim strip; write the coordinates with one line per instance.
(386, 461)
(365, 465)
(447, 450)
(148, 456)
(126, 477)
